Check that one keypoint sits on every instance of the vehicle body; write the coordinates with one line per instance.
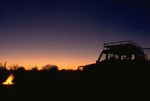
(122, 53)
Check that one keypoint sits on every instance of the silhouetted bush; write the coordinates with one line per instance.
(17, 67)
(3, 66)
(34, 68)
(13, 67)
(50, 67)
(21, 68)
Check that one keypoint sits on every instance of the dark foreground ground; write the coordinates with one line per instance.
(105, 82)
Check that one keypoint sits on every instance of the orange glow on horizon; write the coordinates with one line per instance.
(64, 60)
(60, 66)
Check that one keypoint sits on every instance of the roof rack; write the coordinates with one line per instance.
(128, 42)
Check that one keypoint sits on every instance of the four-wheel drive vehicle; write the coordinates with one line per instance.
(119, 54)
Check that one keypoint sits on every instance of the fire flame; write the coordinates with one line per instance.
(9, 80)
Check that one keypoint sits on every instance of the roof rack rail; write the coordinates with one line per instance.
(129, 42)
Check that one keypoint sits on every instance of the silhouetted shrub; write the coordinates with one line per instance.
(34, 68)
(3, 66)
(17, 67)
(50, 67)
(13, 67)
(21, 68)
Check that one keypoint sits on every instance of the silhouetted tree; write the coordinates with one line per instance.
(21, 68)
(50, 67)
(17, 67)
(13, 67)
(3, 66)
(34, 68)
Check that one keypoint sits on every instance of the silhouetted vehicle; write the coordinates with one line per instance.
(119, 52)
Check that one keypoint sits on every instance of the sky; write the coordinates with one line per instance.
(68, 33)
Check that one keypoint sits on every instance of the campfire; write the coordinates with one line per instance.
(9, 80)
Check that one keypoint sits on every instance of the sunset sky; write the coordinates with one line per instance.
(68, 33)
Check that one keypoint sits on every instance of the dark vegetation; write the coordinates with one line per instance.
(103, 81)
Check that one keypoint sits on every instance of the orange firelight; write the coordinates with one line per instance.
(9, 80)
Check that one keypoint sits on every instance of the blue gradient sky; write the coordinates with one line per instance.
(68, 33)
